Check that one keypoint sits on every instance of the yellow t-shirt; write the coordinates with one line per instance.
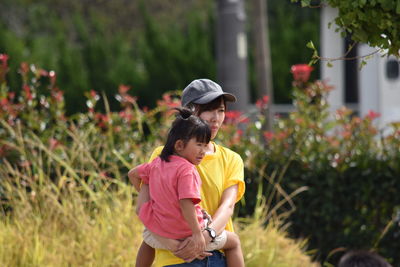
(218, 171)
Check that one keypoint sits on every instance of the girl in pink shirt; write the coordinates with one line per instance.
(172, 212)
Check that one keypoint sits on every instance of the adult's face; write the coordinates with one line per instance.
(214, 118)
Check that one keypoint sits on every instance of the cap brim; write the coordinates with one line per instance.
(210, 97)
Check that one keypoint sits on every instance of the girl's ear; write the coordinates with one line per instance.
(179, 145)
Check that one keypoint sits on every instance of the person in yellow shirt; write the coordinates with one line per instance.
(222, 176)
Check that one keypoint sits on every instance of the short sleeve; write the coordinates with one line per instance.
(188, 184)
(235, 175)
(144, 171)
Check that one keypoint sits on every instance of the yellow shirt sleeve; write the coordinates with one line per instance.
(235, 175)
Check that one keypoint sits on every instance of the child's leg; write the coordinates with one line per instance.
(145, 256)
(233, 250)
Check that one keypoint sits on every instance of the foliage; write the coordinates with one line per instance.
(289, 27)
(348, 167)
(157, 46)
(65, 200)
(98, 46)
(376, 22)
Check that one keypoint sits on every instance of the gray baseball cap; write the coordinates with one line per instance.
(203, 91)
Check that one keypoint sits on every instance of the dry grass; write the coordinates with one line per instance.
(60, 210)
(46, 230)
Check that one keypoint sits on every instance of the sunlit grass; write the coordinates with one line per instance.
(50, 233)
(59, 207)
(52, 229)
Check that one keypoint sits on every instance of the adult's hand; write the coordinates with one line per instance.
(203, 255)
(188, 251)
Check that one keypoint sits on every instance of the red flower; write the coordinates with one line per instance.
(268, 135)
(57, 94)
(28, 93)
(123, 89)
(93, 93)
(235, 117)
(262, 103)
(299, 120)
(168, 101)
(130, 99)
(3, 61)
(346, 134)
(373, 115)
(43, 73)
(4, 149)
(301, 72)
(3, 66)
(126, 115)
(11, 95)
(24, 68)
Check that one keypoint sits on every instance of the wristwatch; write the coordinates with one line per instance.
(211, 233)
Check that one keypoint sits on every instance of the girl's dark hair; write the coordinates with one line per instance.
(185, 127)
(200, 108)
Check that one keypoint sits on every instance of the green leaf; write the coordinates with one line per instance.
(398, 7)
(305, 3)
(310, 45)
(329, 64)
(362, 64)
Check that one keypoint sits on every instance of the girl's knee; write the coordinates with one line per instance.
(234, 239)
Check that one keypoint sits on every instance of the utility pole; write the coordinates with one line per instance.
(263, 56)
(232, 51)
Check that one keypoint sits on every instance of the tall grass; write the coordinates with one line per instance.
(59, 208)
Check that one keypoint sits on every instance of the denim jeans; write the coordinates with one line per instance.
(217, 259)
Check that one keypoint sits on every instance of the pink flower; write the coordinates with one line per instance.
(53, 143)
(57, 94)
(301, 72)
(373, 115)
(52, 76)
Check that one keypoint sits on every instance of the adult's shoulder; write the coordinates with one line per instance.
(229, 153)
(156, 152)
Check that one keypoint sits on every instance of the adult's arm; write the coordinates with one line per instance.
(225, 209)
(186, 251)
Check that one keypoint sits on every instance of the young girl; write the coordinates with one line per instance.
(172, 213)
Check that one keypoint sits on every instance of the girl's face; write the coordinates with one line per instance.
(214, 118)
(193, 150)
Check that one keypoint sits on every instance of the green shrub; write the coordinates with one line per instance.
(349, 168)
(65, 200)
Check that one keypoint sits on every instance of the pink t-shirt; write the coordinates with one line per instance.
(168, 183)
